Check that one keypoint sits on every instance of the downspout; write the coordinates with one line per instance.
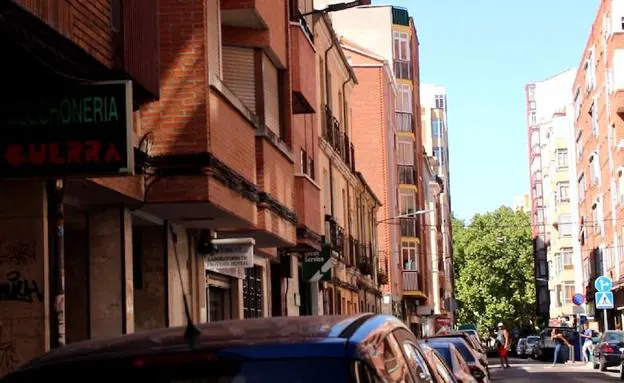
(331, 172)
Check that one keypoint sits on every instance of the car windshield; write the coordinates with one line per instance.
(532, 340)
(444, 352)
(222, 371)
(459, 343)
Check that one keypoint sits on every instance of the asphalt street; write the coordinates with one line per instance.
(527, 370)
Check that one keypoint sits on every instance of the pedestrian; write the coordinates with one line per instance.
(560, 340)
(586, 350)
(503, 341)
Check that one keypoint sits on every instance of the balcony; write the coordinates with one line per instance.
(337, 139)
(410, 281)
(303, 53)
(409, 227)
(403, 69)
(334, 235)
(404, 122)
(407, 175)
(253, 14)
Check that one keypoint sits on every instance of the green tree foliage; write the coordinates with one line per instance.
(493, 260)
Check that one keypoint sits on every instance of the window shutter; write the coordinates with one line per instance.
(271, 95)
(239, 74)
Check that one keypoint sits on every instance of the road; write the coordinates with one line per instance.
(523, 370)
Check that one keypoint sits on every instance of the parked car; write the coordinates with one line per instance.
(453, 359)
(545, 347)
(477, 369)
(438, 367)
(607, 352)
(355, 349)
(475, 346)
(521, 348)
(531, 341)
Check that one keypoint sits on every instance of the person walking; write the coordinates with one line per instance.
(560, 340)
(588, 344)
(503, 341)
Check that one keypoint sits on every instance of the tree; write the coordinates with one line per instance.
(493, 265)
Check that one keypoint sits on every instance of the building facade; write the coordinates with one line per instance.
(373, 111)
(523, 203)
(394, 39)
(211, 187)
(598, 103)
(436, 146)
(553, 192)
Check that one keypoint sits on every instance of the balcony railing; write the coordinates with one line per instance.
(409, 227)
(410, 281)
(338, 139)
(403, 69)
(407, 175)
(404, 122)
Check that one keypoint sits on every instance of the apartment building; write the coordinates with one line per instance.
(553, 192)
(394, 39)
(342, 211)
(373, 111)
(436, 145)
(196, 171)
(597, 93)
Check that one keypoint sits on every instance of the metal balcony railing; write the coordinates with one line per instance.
(403, 69)
(409, 227)
(404, 122)
(337, 138)
(410, 281)
(407, 175)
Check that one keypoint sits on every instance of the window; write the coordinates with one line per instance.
(551, 270)
(565, 225)
(401, 46)
(620, 187)
(531, 93)
(562, 158)
(407, 202)
(585, 271)
(437, 127)
(404, 99)
(589, 70)
(253, 296)
(596, 217)
(539, 217)
(532, 118)
(593, 112)
(577, 102)
(594, 169)
(437, 153)
(440, 101)
(566, 254)
(410, 260)
(563, 190)
(579, 146)
(405, 149)
(568, 292)
(582, 185)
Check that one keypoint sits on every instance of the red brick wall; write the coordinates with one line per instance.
(87, 23)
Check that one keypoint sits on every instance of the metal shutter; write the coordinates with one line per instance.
(239, 74)
(271, 95)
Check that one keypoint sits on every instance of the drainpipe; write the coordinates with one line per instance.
(331, 173)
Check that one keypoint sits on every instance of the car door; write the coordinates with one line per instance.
(417, 361)
(386, 360)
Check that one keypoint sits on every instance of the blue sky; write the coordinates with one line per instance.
(484, 52)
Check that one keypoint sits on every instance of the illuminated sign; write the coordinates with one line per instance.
(83, 131)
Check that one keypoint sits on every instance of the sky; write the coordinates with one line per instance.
(485, 52)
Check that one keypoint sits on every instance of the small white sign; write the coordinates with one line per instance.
(231, 252)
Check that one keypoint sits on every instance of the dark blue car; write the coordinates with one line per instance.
(359, 348)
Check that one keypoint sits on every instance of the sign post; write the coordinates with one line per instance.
(604, 297)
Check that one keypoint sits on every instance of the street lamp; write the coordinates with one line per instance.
(407, 215)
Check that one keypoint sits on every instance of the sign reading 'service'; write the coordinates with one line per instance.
(82, 131)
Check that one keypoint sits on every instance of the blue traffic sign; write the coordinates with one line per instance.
(603, 284)
(604, 300)
(578, 299)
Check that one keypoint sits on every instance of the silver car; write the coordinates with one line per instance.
(531, 342)
(521, 348)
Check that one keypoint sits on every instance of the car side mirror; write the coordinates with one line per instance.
(621, 349)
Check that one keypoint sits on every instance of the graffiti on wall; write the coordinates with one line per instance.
(17, 253)
(17, 288)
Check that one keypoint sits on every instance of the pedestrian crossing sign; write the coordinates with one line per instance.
(604, 300)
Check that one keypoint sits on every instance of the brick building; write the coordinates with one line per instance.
(599, 129)
(221, 125)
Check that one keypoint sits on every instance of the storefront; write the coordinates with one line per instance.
(221, 292)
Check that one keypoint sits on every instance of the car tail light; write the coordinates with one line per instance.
(476, 372)
(607, 348)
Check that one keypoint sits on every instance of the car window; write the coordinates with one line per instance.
(614, 337)
(417, 363)
(461, 346)
(532, 340)
(390, 363)
(458, 360)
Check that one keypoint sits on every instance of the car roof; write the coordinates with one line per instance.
(232, 334)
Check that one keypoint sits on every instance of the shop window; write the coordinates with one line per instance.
(253, 296)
